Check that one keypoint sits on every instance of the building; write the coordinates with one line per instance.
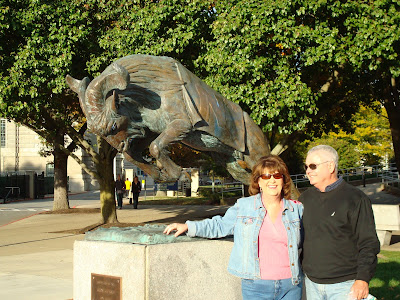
(20, 148)
(19, 153)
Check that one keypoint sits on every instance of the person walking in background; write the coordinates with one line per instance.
(136, 189)
(128, 193)
(119, 190)
(340, 246)
(267, 234)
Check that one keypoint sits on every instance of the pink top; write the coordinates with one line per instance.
(272, 249)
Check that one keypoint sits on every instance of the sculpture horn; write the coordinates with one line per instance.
(79, 87)
(114, 77)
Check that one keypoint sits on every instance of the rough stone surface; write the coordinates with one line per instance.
(192, 270)
(113, 259)
(387, 219)
(195, 271)
(387, 216)
(384, 236)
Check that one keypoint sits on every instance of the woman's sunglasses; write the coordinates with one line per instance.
(268, 176)
(314, 166)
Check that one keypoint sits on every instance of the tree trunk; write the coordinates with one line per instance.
(394, 120)
(107, 191)
(60, 180)
(393, 111)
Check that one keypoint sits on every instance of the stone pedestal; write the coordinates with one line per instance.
(387, 219)
(384, 236)
(171, 193)
(177, 271)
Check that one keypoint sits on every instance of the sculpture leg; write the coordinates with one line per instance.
(256, 142)
(175, 132)
(230, 160)
(134, 155)
(149, 169)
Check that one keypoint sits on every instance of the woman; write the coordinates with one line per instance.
(267, 233)
(136, 189)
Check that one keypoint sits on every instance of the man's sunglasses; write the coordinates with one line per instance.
(268, 176)
(314, 166)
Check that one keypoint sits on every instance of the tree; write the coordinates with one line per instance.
(36, 53)
(185, 156)
(371, 135)
(348, 156)
(27, 62)
(368, 143)
(42, 42)
(175, 28)
(301, 68)
(374, 56)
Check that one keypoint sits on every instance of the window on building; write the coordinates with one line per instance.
(2, 133)
(139, 172)
(50, 170)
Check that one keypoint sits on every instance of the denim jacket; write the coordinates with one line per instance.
(243, 221)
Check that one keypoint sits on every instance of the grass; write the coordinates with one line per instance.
(207, 197)
(186, 201)
(150, 200)
(386, 283)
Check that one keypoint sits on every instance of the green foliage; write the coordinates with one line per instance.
(213, 197)
(369, 143)
(372, 135)
(299, 68)
(348, 156)
(185, 156)
(174, 28)
(210, 166)
(37, 39)
(303, 65)
(295, 157)
(41, 42)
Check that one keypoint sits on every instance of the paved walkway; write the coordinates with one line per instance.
(36, 263)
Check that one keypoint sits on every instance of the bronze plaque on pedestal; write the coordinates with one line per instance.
(105, 287)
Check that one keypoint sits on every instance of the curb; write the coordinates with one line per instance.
(45, 197)
(20, 219)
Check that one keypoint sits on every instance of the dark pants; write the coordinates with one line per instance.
(119, 199)
(135, 199)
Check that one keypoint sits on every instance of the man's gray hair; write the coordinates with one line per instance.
(332, 153)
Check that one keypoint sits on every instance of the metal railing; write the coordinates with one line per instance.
(390, 177)
(389, 174)
(227, 187)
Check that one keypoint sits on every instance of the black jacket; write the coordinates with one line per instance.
(340, 241)
(119, 186)
(136, 187)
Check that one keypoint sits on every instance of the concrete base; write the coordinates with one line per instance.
(387, 219)
(171, 193)
(384, 236)
(161, 193)
(190, 270)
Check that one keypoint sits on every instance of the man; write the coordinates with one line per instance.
(128, 190)
(119, 190)
(340, 241)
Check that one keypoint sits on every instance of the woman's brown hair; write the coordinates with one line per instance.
(271, 163)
